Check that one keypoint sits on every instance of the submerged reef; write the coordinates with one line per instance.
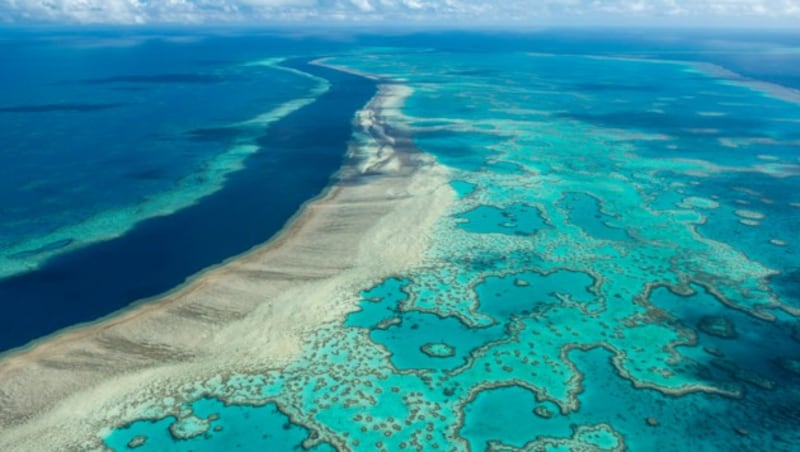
(717, 326)
(556, 307)
(438, 350)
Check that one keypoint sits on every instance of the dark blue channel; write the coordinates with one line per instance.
(298, 155)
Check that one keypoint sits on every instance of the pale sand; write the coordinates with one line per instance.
(251, 314)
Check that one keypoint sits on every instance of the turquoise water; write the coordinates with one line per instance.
(618, 270)
(213, 425)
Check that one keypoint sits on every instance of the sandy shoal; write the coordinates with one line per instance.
(251, 314)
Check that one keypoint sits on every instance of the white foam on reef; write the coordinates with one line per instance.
(376, 146)
(376, 150)
(29, 254)
(252, 314)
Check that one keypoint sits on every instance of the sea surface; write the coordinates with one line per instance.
(130, 164)
(620, 269)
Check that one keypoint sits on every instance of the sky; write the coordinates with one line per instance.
(760, 13)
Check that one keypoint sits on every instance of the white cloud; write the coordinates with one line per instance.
(539, 12)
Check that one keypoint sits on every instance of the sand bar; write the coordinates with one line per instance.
(252, 314)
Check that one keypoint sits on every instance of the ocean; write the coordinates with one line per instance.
(617, 268)
(131, 166)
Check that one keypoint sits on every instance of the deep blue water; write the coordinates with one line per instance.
(78, 119)
(297, 156)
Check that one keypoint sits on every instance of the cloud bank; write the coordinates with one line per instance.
(444, 12)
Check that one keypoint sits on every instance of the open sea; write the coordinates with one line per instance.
(130, 164)
(620, 269)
